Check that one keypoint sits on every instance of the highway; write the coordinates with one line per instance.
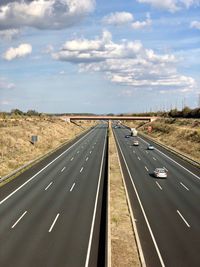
(51, 214)
(166, 211)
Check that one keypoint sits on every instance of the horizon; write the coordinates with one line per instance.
(99, 57)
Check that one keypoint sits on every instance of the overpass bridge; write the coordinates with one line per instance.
(105, 117)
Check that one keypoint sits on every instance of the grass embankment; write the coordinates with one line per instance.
(123, 245)
(182, 135)
(15, 136)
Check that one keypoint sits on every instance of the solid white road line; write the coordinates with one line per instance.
(159, 185)
(95, 207)
(143, 211)
(48, 185)
(183, 218)
(19, 219)
(50, 229)
(72, 158)
(87, 159)
(185, 186)
(18, 188)
(174, 161)
(146, 168)
(139, 158)
(63, 169)
(81, 169)
(154, 158)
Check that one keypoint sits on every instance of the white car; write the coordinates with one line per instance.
(150, 147)
(160, 173)
(135, 143)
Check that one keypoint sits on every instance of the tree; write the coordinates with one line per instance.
(17, 112)
(32, 113)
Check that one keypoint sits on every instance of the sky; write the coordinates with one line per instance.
(125, 56)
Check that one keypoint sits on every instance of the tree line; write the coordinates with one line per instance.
(186, 112)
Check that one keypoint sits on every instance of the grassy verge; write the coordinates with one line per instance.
(15, 135)
(123, 246)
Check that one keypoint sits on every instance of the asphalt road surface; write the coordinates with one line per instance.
(166, 211)
(50, 215)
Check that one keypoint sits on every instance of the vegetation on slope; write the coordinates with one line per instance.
(180, 134)
(16, 148)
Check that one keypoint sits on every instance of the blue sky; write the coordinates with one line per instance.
(99, 56)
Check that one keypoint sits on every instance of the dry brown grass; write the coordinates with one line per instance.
(15, 135)
(180, 134)
(123, 245)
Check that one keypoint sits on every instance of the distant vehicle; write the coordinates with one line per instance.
(150, 147)
(117, 126)
(127, 136)
(135, 143)
(160, 173)
(133, 132)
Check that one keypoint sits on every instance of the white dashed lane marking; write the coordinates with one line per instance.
(19, 219)
(63, 169)
(48, 185)
(50, 229)
(72, 187)
(159, 185)
(185, 186)
(183, 218)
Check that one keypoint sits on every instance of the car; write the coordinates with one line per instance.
(150, 147)
(160, 173)
(135, 143)
(127, 136)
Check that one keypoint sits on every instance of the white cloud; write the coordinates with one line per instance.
(5, 84)
(9, 34)
(126, 63)
(5, 102)
(195, 24)
(21, 51)
(138, 25)
(171, 5)
(125, 18)
(118, 18)
(43, 14)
